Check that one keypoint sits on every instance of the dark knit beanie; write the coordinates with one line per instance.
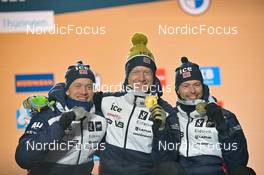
(78, 71)
(187, 71)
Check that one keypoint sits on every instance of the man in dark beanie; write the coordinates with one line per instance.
(78, 71)
(212, 139)
(66, 124)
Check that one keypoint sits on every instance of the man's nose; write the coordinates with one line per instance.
(192, 88)
(141, 77)
(84, 90)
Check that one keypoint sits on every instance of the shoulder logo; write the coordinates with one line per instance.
(36, 125)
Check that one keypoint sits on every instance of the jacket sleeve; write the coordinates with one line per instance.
(57, 93)
(166, 143)
(31, 148)
(233, 142)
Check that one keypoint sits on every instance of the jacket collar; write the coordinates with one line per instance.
(193, 114)
(62, 108)
(137, 98)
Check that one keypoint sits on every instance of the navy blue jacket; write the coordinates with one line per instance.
(207, 149)
(45, 148)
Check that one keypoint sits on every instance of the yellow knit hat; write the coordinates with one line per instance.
(139, 41)
(139, 54)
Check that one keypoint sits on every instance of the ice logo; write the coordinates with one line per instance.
(194, 7)
(22, 118)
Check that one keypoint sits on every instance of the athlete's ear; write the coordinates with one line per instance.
(178, 92)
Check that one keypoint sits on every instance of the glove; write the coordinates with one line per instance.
(158, 115)
(214, 113)
(77, 114)
(80, 113)
(66, 119)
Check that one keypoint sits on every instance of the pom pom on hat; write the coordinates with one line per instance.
(139, 38)
(139, 54)
(184, 60)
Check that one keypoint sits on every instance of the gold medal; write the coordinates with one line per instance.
(150, 101)
(200, 108)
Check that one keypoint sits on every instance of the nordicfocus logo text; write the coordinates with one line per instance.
(196, 30)
(169, 146)
(67, 30)
(63, 146)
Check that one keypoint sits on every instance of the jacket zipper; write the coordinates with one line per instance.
(128, 124)
(79, 155)
(187, 135)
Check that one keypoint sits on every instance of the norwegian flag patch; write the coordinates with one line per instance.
(146, 60)
(83, 72)
(186, 74)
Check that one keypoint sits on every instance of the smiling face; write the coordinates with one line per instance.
(81, 89)
(191, 90)
(140, 78)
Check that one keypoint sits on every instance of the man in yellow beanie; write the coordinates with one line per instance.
(136, 130)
